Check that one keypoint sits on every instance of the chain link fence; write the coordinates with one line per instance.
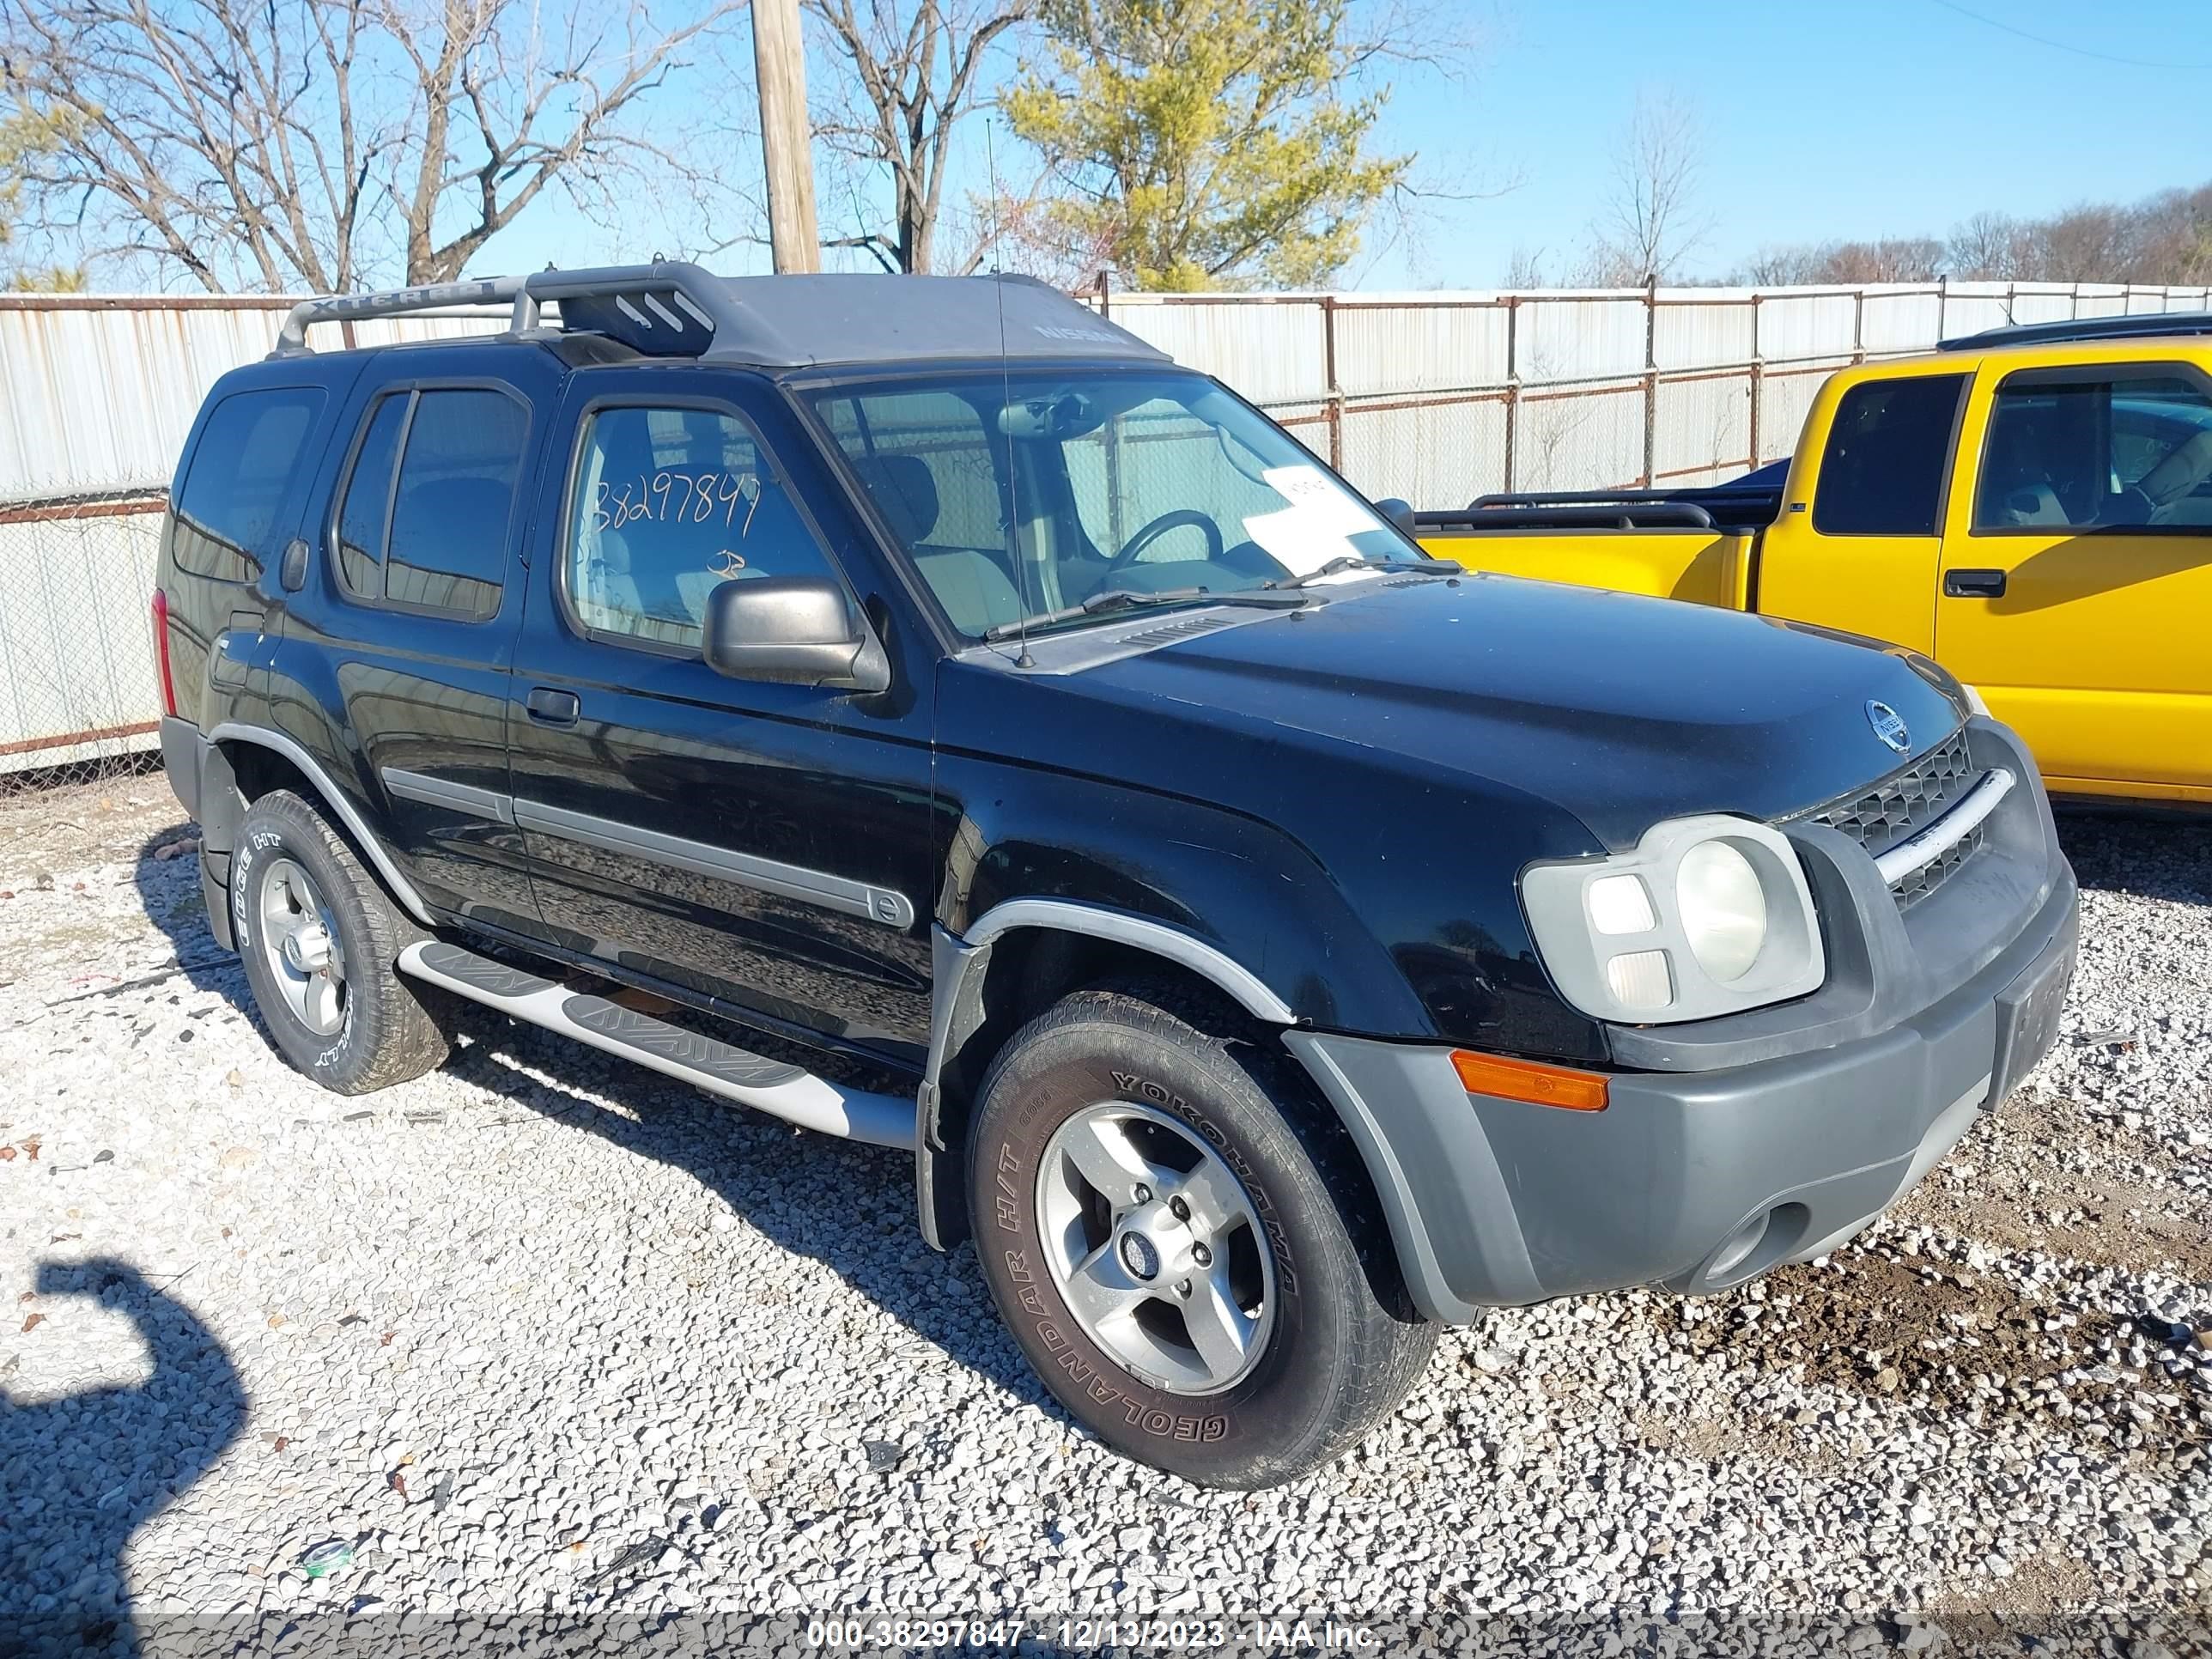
(79, 700)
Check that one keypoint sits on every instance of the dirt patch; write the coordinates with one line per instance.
(2029, 1191)
(51, 831)
(1943, 1343)
(1711, 1439)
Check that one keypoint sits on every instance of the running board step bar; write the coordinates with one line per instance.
(720, 1068)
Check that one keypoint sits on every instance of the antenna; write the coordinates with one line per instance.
(1006, 398)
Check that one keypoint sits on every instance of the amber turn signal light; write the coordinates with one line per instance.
(1525, 1079)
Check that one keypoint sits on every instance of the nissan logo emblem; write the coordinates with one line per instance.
(1889, 725)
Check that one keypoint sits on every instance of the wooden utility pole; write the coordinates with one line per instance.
(780, 67)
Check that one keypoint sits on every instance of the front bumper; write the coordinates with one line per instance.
(1696, 1179)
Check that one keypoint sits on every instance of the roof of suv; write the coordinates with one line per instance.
(674, 309)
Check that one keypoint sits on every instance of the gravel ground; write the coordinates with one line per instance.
(553, 1342)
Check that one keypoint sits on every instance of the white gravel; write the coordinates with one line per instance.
(552, 1341)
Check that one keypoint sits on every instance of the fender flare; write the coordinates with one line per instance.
(954, 1013)
(334, 799)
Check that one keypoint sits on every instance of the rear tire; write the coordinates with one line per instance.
(318, 938)
(1244, 1342)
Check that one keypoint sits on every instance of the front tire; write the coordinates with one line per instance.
(1154, 1220)
(318, 938)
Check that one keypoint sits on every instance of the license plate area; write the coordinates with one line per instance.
(2028, 1012)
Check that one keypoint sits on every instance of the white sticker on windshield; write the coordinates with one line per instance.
(1316, 526)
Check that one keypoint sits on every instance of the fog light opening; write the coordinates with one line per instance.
(1758, 1242)
(1740, 1244)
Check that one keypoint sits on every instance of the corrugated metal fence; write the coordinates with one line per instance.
(1435, 397)
(1439, 398)
(97, 393)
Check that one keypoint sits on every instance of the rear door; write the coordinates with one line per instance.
(765, 845)
(1857, 542)
(2077, 572)
(410, 611)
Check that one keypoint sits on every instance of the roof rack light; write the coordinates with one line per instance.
(669, 308)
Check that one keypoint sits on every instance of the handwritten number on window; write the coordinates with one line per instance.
(677, 497)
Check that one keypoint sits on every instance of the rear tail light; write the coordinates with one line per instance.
(162, 653)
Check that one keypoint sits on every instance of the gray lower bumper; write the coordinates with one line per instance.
(1694, 1180)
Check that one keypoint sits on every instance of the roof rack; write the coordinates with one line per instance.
(2142, 325)
(671, 308)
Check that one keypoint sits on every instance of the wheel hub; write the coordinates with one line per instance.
(1157, 1248)
(300, 947)
(1141, 1256)
(307, 948)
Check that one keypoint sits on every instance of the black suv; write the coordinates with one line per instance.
(1270, 942)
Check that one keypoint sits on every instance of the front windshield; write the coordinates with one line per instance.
(1019, 499)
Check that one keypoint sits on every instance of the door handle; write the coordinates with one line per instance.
(552, 707)
(1973, 584)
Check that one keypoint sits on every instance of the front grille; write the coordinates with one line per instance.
(1903, 804)
(1937, 871)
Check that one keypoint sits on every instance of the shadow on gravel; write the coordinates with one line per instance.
(849, 1206)
(169, 889)
(80, 1473)
(2166, 856)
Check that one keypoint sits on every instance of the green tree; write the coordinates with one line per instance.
(26, 134)
(1205, 143)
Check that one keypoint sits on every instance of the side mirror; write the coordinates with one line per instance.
(1400, 513)
(791, 631)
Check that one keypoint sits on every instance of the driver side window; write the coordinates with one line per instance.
(667, 505)
(2126, 453)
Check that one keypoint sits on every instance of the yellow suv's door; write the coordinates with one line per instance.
(2077, 571)
(1865, 557)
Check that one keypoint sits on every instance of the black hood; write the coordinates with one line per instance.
(1621, 710)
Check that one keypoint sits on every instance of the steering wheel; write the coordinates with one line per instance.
(1160, 527)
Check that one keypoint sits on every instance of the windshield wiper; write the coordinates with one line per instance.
(1127, 598)
(1359, 561)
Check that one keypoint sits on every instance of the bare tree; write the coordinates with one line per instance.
(1525, 268)
(1650, 222)
(915, 74)
(1889, 260)
(277, 144)
(1985, 248)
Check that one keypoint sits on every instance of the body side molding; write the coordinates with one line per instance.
(835, 892)
(442, 792)
(334, 798)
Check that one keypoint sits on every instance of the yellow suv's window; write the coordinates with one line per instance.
(2124, 452)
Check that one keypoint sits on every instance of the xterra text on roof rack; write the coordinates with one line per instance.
(1269, 943)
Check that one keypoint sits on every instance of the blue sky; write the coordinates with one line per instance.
(1821, 121)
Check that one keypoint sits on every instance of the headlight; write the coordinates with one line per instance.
(1708, 915)
(1722, 907)
(1974, 700)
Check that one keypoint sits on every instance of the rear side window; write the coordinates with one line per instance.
(368, 499)
(241, 471)
(428, 506)
(1882, 471)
